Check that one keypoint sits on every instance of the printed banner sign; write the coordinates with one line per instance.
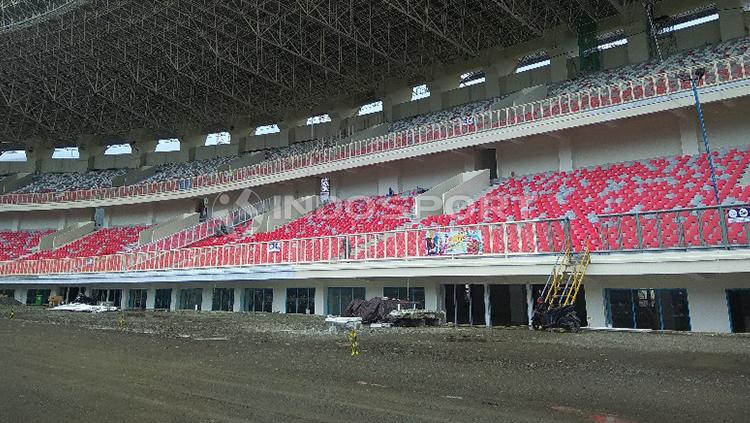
(447, 243)
(738, 215)
(274, 247)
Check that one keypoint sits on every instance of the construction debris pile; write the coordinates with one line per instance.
(390, 311)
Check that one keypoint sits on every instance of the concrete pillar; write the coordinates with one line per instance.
(565, 47)
(150, 298)
(190, 141)
(501, 67)
(237, 306)
(175, 298)
(125, 299)
(689, 135)
(241, 135)
(439, 86)
(731, 19)
(320, 299)
(565, 154)
(394, 97)
(207, 299)
(487, 306)
(22, 294)
(279, 299)
(529, 302)
(38, 154)
(144, 143)
(636, 31)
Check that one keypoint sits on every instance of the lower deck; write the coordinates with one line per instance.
(701, 303)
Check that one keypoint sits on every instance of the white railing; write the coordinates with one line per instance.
(652, 86)
(496, 239)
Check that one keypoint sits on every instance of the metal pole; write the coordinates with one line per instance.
(706, 145)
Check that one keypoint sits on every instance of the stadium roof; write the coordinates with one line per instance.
(111, 66)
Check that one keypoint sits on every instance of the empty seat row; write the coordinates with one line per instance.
(101, 242)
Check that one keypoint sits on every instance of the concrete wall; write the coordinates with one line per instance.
(67, 235)
(168, 228)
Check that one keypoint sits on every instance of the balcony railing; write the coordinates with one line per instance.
(677, 229)
(498, 239)
(652, 86)
(702, 227)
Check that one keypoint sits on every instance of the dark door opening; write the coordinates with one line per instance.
(163, 299)
(508, 305)
(464, 304)
(739, 309)
(487, 159)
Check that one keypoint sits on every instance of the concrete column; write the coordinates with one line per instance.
(237, 306)
(190, 141)
(320, 299)
(150, 298)
(565, 155)
(487, 306)
(501, 67)
(125, 297)
(279, 299)
(529, 302)
(731, 19)
(636, 31)
(241, 136)
(143, 144)
(439, 86)
(565, 46)
(38, 154)
(175, 298)
(21, 295)
(394, 97)
(208, 297)
(689, 135)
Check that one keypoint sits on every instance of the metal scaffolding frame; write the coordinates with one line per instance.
(108, 67)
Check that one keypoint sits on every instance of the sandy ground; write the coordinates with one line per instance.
(160, 367)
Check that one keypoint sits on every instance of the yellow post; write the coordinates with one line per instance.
(121, 321)
(352, 336)
(12, 314)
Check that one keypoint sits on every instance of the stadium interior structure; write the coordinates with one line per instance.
(273, 157)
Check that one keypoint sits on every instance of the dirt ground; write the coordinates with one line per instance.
(209, 367)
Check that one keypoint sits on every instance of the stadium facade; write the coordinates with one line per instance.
(461, 201)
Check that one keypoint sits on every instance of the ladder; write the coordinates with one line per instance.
(564, 283)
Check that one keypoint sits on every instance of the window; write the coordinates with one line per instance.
(66, 153)
(118, 149)
(471, 78)
(163, 299)
(13, 156)
(267, 129)
(339, 299)
(113, 296)
(420, 92)
(10, 293)
(37, 296)
(223, 299)
(219, 138)
(371, 108)
(258, 300)
(606, 45)
(658, 309)
(137, 299)
(413, 294)
(690, 20)
(533, 65)
(191, 299)
(300, 300)
(165, 146)
(314, 120)
(70, 293)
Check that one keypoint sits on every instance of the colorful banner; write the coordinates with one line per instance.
(448, 243)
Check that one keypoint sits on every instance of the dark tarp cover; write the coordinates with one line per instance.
(371, 311)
